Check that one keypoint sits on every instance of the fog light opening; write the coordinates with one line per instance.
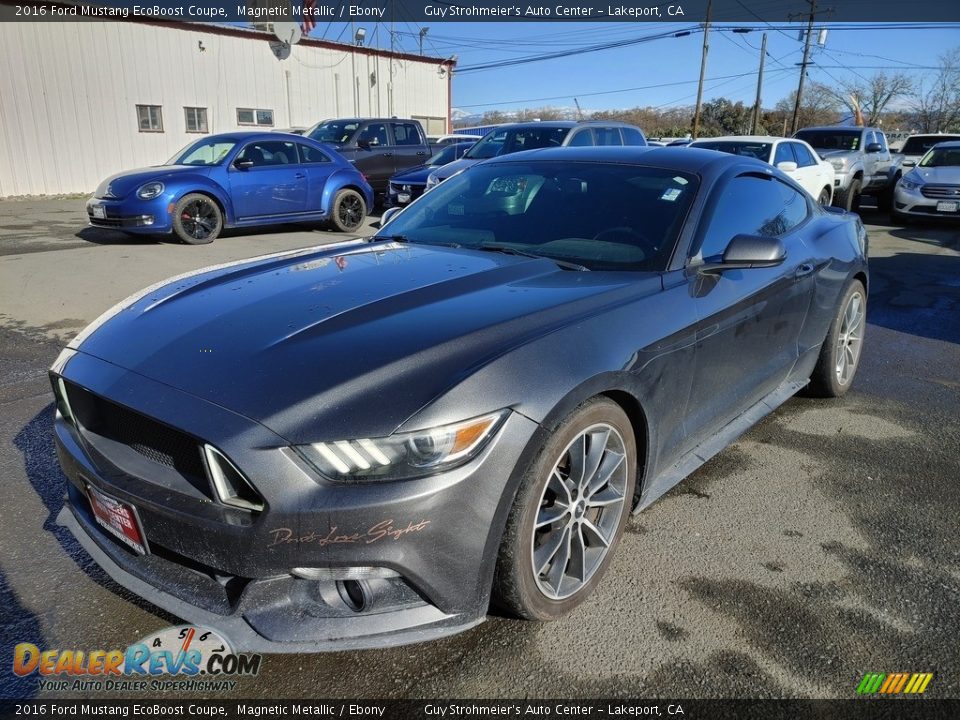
(354, 594)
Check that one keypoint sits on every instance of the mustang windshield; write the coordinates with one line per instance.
(209, 151)
(603, 216)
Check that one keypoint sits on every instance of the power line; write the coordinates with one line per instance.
(578, 51)
(612, 92)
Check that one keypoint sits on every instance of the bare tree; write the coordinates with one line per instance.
(871, 97)
(819, 107)
(936, 105)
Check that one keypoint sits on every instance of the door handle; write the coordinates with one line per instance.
(421, 153)
(804, 270)
(388, 154)
(299, 176)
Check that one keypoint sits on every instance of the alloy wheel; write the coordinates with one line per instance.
(579, 511)
(350, 211)
(850, 338)
(199, 219)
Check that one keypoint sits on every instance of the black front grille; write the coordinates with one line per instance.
(152, 439)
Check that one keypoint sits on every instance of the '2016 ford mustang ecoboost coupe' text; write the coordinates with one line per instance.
(367, 443)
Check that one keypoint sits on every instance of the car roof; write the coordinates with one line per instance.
(951, 144)
(691, 160)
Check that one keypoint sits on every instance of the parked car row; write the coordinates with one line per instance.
(335, 171)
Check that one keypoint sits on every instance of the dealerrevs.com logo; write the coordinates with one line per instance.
(177, 658)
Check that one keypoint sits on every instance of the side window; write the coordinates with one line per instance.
(582, 138)
(375, 134)
(270, 153)
(804, 157)
(608, 136)
(632, 136)
(882, 139)
(406, 134)
(312, 155)
(784, 153)
(752, 205)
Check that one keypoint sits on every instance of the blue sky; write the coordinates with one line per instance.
(673, 62)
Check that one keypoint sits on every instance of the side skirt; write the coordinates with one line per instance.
(715, 443)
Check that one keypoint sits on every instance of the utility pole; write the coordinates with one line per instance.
(703, 70)
(803, 66)
(755, 119)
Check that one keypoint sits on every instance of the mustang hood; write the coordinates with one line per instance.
(344, 341)
(122, 184)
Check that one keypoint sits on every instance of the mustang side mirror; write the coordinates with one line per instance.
(786, 166)
(243, 164)
(874, 147)
(748, 251)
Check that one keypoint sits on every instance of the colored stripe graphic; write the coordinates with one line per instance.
(894, 683)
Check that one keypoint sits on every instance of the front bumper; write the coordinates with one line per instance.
(402, 194)
(130, 214)
(230, 570)
(914, 202)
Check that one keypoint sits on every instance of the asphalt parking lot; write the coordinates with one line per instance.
(821, 546)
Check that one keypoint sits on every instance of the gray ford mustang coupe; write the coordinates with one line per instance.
(368, 443)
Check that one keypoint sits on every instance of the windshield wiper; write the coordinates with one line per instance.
(509, 250)
(391, 238)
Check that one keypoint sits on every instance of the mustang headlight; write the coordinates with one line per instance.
(150, 190)
(432, 180)
(404, 455)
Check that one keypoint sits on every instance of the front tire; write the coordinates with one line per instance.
(840, 353)
(349, 210)
(849, 199)
(824, 198)
(197, 219)
(569, 514)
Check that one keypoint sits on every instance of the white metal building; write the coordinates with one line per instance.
(82, 100)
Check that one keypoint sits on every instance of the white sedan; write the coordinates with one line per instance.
(794, 157)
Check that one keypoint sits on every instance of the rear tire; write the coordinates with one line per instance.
(569, 514)
(197, 219)
(348, 211)
(849, 199)
(840, 353)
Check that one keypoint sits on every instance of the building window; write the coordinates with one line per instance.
(149, 118)
(250, 116)
(196, 119)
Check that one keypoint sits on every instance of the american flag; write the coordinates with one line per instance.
(308, 23)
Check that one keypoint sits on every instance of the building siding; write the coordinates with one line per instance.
(69, 91)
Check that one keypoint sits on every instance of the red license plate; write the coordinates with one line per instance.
(117, 518)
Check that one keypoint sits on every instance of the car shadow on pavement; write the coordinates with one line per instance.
(17, 625)
(35, 443)
(917, 294)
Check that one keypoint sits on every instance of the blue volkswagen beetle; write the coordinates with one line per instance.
(235, 180)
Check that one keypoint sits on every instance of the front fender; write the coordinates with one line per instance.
(207, 186)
